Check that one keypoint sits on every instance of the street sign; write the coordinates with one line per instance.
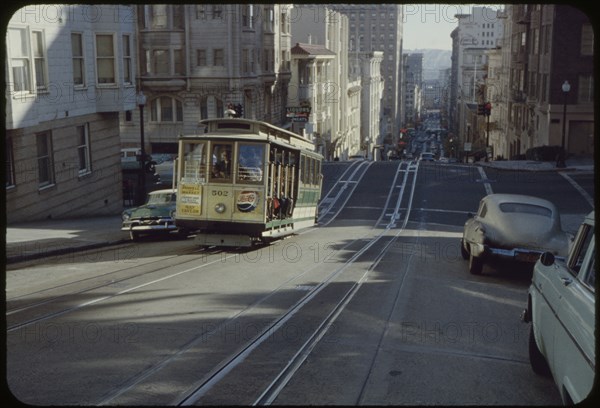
(467, 147)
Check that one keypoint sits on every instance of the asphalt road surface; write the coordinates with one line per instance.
(373, 306)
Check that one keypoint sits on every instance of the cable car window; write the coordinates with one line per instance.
(221, 162)
(194, 166)
(250, 162)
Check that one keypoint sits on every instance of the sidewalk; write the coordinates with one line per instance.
(574, 164)
(32, 240)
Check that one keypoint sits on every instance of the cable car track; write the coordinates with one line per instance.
(228, 365)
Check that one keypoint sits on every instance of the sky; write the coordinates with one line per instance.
(430, 25)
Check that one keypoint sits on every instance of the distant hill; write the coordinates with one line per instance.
(433, 61)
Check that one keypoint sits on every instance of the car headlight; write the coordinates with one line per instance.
(173, 212)
(125, 216)
(220, 208)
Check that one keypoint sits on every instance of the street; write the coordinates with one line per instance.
(373, 306)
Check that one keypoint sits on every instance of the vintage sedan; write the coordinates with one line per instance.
(561, 309)
(157, 216)
(513, 227)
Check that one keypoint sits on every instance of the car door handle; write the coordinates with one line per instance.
(566, 280)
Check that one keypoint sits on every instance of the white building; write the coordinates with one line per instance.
(319, 31)
(378, 27)
(477, 32)
(70, 70)
(367, 67)
(309, 88)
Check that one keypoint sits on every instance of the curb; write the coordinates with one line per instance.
(62, 251)
(527, 168)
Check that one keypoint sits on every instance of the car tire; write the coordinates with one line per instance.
(475, 265)
(463, 251)
(536, 358)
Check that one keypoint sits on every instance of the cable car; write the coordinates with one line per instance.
(246, 181)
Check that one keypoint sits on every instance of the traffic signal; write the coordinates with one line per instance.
(484, 109)
(239, 110)
(488, 108)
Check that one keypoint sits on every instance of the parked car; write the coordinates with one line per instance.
(427, 157)
(514, 227)
(560, 307)
(157, 216)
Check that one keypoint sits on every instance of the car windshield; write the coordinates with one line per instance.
(525, 209)
(161, 198)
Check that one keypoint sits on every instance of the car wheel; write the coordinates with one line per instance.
(475, 265)
(463, 251)
(134, 235)
(536, 358)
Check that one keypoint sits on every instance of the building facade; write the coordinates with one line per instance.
(378, 27)
(198, 60)
(413, 88)
(477, 32)
(367, 67)
(70, 71)
(551, 45)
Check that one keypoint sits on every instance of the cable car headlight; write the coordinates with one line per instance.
(220, 208)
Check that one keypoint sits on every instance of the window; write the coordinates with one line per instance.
(78, 59)
(248, 15)
(220, 166)
(159, 16)
(9, 162)
(39, 60)
(178, 62)
(218, 59)
(83, 149)
(586, 89)
(178, 14)
(105, 59)
(44, 159)
(245, 63)
(589, 276)
(269, 19)
(217, 11)
(211, 107)
(201, 58)
(127, 59)
(587, 39)
(525, 209)
(166, 109)
(19, 59)
(160, 62)
(250, 162)
(200, 11)
(194, 165)
(580, 246)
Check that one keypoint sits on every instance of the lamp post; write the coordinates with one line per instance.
(141, 101)
(560, 161)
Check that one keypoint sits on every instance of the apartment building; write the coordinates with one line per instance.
(70, 71)
(413, 88)
(378, 27)
(321, 37)
(366, 67)
(477, 32)
(550, 46)
(311, 88)
(197, 60)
